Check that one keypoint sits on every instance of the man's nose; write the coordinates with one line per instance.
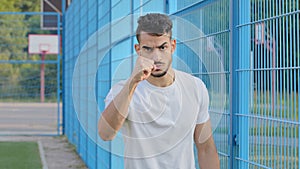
(156, 55)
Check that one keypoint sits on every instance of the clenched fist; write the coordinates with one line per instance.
(142, 69)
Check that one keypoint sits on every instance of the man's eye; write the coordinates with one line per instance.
(162, 48)
(146, 49)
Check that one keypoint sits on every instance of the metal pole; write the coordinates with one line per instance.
(42, 90)
(234, 85)
(58, 76)
(64, 5)
(273, 76)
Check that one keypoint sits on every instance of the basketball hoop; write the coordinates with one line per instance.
(43, 45)
(44, 48)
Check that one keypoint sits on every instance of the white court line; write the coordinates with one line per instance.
(42, 154)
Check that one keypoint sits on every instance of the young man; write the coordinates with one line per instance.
(160, 111)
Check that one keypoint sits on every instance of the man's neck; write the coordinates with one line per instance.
(163, 81)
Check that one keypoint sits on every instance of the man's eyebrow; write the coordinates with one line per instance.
(162, 45)
(147, 47)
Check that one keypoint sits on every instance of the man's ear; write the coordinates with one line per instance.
(137, 49)
(173, 45)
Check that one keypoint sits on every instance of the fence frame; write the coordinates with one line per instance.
(57, 62)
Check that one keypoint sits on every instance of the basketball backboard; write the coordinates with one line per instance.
(39, 44)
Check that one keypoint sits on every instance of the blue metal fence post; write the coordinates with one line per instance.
(110, 71)
(234, 87)
(63, 65)
(298, 78)
(58, 76)
(244, 83)
(97, 90)
(171, 6)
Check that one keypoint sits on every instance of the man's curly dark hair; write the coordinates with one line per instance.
(155, 24)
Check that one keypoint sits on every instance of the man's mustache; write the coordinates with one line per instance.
(157, 63)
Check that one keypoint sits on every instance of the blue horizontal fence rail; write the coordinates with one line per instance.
(256, 42)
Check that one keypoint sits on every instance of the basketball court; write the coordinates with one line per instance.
(29, 119)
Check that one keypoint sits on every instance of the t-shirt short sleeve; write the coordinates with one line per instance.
(203, 114)
(115, 90)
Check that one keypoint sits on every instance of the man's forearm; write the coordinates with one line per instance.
(208, 159)
(116, 112)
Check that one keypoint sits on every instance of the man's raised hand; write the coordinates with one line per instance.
(142, 70)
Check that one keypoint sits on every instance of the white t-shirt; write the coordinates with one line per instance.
(159, 129)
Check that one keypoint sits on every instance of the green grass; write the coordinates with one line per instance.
(19, 155)
(274, 156)
(288, 131)
(286, 104)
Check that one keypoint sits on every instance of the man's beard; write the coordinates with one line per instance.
(159, 75)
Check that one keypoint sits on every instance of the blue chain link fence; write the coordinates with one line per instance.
(267, 69)
(250, 62)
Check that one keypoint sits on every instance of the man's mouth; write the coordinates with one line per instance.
(158, 66)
